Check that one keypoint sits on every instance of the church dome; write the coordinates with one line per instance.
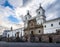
(40, 8)
(27, 16)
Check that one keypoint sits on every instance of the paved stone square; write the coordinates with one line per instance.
(19, 44)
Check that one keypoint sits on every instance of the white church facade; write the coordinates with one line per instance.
(35, 26)
(49, 26)
(52, 26)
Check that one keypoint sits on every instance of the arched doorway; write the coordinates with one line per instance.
(17, 34)
(50, 39)
(40, 39)
(31, 32)
(32, 37)
(17, 37)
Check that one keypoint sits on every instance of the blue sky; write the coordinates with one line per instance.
(11, 10)
(13, 19)
(7, 4)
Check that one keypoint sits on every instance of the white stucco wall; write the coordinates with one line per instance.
(49, 29)
(12, 33)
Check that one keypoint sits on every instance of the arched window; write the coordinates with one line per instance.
(59, 23)
(51, 25)
(45, 26)
(39, 12)
(39, 31)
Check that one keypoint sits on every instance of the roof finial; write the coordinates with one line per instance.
(27, 12)
(40, 5)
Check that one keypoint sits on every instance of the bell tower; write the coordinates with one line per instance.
(40, 11)
(40, 15)
(26, 17)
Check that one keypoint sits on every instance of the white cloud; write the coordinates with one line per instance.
(16, 3)
(51, 15)
(2, 2)
(44, 3)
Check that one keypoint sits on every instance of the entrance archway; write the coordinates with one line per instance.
(31, 32)
(50, 39)
(17, 34)
(40, 39)
(32, 37)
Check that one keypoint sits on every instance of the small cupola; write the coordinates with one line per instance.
(27, 16)
(40, 11)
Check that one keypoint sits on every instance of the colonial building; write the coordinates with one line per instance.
(13, 33)
(35, 28)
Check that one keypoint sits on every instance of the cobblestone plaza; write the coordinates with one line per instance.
(18, 44)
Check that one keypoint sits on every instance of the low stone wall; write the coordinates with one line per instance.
(45, 39)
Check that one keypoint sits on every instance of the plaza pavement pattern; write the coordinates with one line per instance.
(19, 44)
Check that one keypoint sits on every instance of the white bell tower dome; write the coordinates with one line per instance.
(40, 18)
(26, 19)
